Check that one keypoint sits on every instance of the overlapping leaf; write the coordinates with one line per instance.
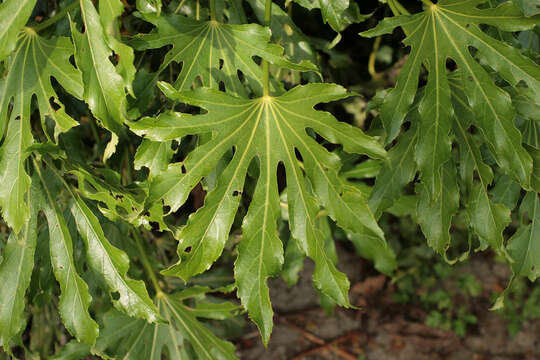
(74, 297)
(109, 11)
(129, 338)
(446, 31)
(211, 52)
(270, 130)
(35, 61)
(103, 85)
(15, 271)
(524, 246)
(15, 14)
(287, 34)
(337, 13)
(106, 260)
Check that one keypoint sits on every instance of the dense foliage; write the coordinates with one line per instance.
(128, 127)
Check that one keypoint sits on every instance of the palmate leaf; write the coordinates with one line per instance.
(270, 130)
(111, 263)
(446, 31)
(524, 245)
(287, 34)
(15, 272)
(201, 45)
(129, 338)
(109, 11)
(35, 61)
(486, 216)
(103, 85)
(14, 15)
(397, 172)
(487, 219)
(74, 297)
(337, 13)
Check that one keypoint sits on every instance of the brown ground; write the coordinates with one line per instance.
(384, 329)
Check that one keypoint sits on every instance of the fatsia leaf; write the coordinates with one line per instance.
(337, 13)
(15, 271)
(447, 30)
(103, 85)
(398, 171)
(435, 217)
(15, 14)
(73, 350)
(201, 46)
(115, 201)
(129, 338)
(287, 34)
(29, 71)
(74, 296)
(109, 11)
(271, 130)
(487, 219)
(112, 263)
(524, 246)
(153, 155)
(15, 180)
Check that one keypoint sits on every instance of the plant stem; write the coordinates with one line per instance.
(401, 8)
(393, 7)
(213, 10)
(146, 262)
(427, 2)
(179, 6)
(372, 58)
(56, 17)
(265, 64)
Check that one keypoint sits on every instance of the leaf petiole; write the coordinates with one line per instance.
(213, 10)
(146, 263)
(265, 65)
(55, 18)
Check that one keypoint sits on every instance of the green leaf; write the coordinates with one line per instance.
(201, 46)
(487, 219)
(74, 296)
(293, 262)
(129, 338)
(337, 13)
(524, 245)
(15, 14)
(15, 272)
(149, 6)
(103, 85)
(435, 217)
(15, 181)
(398, 171)
(153, 155)
(287, 34)
(115, 201)
(447, 30)
(73, 350)
(112, 263)
(29, 71)
(109, 11)
(268, 129)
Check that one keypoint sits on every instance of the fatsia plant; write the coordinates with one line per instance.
(130, 128)
(466, 107)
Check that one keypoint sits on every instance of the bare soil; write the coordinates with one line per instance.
(383, 329)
